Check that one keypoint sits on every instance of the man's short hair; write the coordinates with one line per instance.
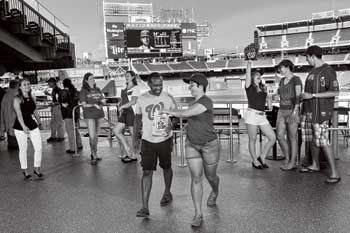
(314, 50)
(13, 84)
(153, 76)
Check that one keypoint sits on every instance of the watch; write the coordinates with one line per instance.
(314, 95)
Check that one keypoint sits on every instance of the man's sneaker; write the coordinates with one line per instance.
(197, 221)
(59, 139)
(143, 213)
(166, 199)
(51, 139)
(212, 199)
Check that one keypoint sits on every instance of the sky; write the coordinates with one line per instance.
(233, 21)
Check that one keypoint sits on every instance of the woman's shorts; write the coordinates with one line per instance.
(208, 152)
(127, 117)
(255, 117)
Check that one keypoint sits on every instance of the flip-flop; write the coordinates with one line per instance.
(333, 180)
(288, 169)
(128, 159)
(307, 170)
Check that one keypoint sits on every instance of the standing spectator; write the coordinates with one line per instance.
(26, 127)
(255, 116)
(92, 100)
(321, 87)
(288, 114)
(56, 124)
(202, 145)
(126, 117)
(156, 139)
(8, 114)
(69, 98)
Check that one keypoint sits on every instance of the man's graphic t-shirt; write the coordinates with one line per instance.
(320, 79)
(148, 105)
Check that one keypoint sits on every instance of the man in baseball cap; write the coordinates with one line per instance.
(145, 40)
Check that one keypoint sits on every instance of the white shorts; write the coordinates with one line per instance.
(255, 117)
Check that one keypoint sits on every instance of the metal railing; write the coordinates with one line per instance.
(37, 18)
(112, 117)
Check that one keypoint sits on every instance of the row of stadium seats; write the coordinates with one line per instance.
(193, 66)
(296, 40)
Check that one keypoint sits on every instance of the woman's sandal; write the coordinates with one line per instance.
(333, 180)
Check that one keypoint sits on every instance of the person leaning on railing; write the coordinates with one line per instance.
(92, 100)
(68, 99)
(126, 117)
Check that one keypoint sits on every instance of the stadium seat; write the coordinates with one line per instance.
(217, 65)
(139, 68)
(297, 39)
(200, 66)
(157, 67)
(344, 35)
(222, 121)
(323, 37)
(236, 63)
(263, 62)
(292, 58)
(334, 57)
(181, 67)
(273, 42)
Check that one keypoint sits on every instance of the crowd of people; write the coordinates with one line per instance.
(152, 113)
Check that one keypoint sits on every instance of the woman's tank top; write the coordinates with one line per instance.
(28, 107)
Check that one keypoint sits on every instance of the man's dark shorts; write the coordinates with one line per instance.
(127, 117)
(150, 152)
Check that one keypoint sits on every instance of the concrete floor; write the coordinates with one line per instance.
(77, 197)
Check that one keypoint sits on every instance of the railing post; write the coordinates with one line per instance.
(182, 147)
(109, 123)
(335, 132)
(182, 154)
(74, 131)
(231, 159)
